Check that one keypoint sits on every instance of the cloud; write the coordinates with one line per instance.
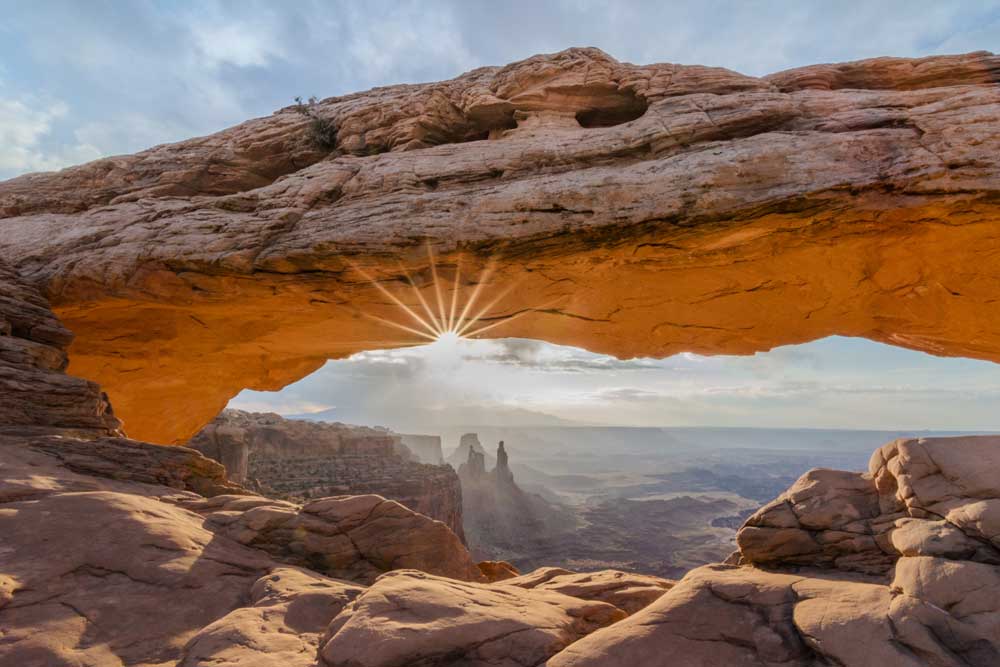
(625, 394)
(408, 42)
(237, 43)
(132, 75)
(24, 124)
(543, 357)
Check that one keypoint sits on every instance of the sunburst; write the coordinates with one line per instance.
(441, 319)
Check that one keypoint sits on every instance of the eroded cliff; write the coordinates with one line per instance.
(294, 459)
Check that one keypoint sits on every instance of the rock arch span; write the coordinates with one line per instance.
(701, 210)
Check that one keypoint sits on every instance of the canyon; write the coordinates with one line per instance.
(502, 521)
(633, 210)
(296, 460)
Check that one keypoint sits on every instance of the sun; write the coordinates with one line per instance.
(444, 324)
(448, 339)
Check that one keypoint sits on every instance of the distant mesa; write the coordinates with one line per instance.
(427, 448)
(297, 460)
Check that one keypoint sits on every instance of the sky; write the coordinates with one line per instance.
(831, 383)
(82, 80)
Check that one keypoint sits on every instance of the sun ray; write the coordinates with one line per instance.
(433, 332)
(483, 277)
(485, 309)
(437, 285)
(454, 295)
(448, 321)
(402, 327)
(438, 326)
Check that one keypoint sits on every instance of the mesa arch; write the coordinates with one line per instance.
(637, 210)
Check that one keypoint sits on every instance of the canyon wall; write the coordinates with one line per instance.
(427, 448)
(627, 209)
(296, 459)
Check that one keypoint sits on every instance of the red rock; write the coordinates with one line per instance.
(721, 214)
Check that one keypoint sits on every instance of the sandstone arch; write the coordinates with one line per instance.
(731, 215)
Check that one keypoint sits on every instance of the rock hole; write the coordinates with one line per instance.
(622, 107)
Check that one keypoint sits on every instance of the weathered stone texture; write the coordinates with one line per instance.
(638, 210)
(297, 460)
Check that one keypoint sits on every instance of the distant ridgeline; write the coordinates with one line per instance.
(296, 459)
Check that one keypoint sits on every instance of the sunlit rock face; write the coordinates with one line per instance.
(634, 210)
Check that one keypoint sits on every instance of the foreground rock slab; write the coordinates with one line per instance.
(352, 537)
(898, 566)
(628, 591)
(412, 618)
(290, 610)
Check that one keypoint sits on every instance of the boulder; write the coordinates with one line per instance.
(290, 609)
(627, 591)
(413, 618)
(348, 537)
(828, 517)
(720, 615)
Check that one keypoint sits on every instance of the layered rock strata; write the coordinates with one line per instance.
(37, 395)
(297, 460)
(640, 210)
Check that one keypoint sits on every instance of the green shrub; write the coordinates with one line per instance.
(322, 132)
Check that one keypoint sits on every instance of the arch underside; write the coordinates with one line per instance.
(728, 217)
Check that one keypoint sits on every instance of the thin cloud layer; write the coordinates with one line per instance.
(832, 383)
(82, 80)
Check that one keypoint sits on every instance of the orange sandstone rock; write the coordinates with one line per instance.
(639, 210)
